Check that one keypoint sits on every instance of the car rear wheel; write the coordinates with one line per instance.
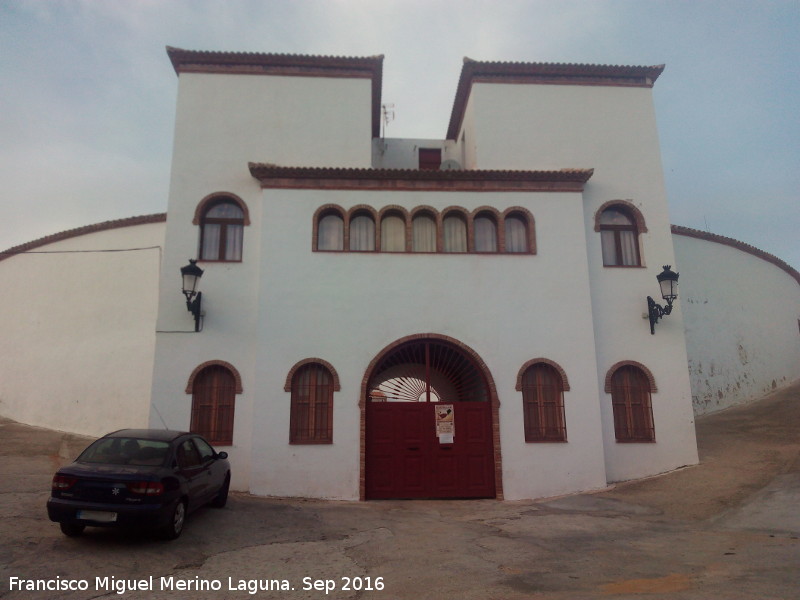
(174, 528)
(221, 498)
(71, 529)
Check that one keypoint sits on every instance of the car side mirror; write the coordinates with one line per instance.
(222, 455)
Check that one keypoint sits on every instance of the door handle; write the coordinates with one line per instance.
(415, 448)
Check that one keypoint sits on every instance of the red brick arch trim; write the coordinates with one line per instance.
(487, 210)
(424, 210)
(209, 363)
(308, 361)
(394, 209)
(530, 225)
(360, 210)
(204, 204)
(493, 399)
(630, 363)
(397, 211)
(324, 211)
(628, 207)
(546, 361)
(494, 215)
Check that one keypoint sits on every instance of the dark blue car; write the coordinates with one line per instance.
(139, 477)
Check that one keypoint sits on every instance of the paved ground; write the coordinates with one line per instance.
(726, 529)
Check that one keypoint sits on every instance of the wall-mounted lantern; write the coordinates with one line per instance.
(191, 274)
(668, 280)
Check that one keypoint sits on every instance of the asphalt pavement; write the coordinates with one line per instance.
(725, 529)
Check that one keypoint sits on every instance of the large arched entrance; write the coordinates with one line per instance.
(429, 410)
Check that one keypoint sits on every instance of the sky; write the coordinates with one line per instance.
(87, 92)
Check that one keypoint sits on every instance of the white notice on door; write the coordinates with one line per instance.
(445, 423)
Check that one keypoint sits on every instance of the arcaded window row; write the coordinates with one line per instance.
(222, 219)
(424, 229)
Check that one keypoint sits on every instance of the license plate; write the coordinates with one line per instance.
(100, 516)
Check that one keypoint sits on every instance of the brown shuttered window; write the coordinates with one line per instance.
(543, 404)
(630, 397)
(213, 398)
(311, 420)
(221, 232)
(619, 239)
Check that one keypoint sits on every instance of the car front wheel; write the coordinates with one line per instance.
(174, 527)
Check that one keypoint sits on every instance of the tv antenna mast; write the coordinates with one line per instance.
(387, 116)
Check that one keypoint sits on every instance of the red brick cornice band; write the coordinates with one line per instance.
(565, 180)
(721, 239)
(71, 233)
(218, 363)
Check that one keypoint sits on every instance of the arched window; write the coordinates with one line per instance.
(213, 399)
(455, 233)
(485, 233)
(619, 238)
(311, 419)
(423, 233)
(630, 398)
(330, 232)
(543, 404)
(362, 232)
(221, 231)
(516, 229)
(393, 233)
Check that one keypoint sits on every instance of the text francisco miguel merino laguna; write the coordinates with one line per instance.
(250, 586)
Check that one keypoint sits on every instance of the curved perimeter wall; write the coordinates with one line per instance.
(741, 311)
(77, 326)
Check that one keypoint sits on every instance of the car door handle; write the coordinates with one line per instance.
(414, 448)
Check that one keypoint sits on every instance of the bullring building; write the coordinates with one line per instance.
(459, 317)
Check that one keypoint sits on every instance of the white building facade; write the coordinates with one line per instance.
(351, 285)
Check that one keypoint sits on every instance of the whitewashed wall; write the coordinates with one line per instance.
(403, 153)
(77, 330)
(613, 131)
(346, 307)
(741, 314)
(223, 122)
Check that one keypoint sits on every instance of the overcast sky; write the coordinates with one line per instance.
(87, 93)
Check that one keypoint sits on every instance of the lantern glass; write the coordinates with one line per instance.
(668, 280)
(669, 289)
(189, 283)
(191, 273)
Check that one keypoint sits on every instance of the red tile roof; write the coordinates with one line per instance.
(274, 176)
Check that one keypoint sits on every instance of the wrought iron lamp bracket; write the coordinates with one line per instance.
(656, 311)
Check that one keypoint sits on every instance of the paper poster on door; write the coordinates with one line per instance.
(445, 425)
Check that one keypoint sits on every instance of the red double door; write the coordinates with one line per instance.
(406, 459)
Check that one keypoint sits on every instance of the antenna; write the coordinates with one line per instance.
(159, 415)
(387, 111)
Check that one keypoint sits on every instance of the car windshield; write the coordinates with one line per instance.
(125, 451)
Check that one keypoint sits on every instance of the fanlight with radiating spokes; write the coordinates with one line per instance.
(427, 371)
